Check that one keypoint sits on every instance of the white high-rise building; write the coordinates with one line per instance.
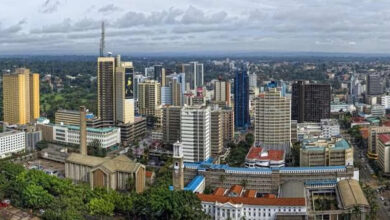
(12, 142)
(166, 95)
(273, 120)
(386, 101)
(252, 80)
(195, 133)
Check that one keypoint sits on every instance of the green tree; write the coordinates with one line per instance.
(250, 139)
(100, 207)
(36, 197)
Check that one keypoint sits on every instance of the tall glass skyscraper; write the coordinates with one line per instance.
(241, 100)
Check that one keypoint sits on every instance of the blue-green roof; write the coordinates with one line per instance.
(94, 130)
(342, 144)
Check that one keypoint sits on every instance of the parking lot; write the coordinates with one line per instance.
(50, 167)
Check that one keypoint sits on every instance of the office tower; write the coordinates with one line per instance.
(253, 80)
(222, 92)
(241, 100)
(216, 132)
(176, 83)
(137, 79)
(195, 133)
(105, 86)
(159, 74)
(374, 84)
(310, 102)
(194, 73)
(227, 125)
(166, 95)
(124, 92)
(273, 120)
(149, 97)
(21, 96)
(149, 72)
(171, 123)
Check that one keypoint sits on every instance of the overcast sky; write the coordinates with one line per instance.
(158, 26)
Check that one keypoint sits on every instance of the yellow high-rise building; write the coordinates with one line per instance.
(21, 96)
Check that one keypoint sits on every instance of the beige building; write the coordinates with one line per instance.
(227, 125)
(325, 152)
(383, 151)
(124, 102)
(216, 133)
(222, 92)
(373, 132)
(105, 86)
(149, 97)
(171, 123)
(21, 96)
(273, 120)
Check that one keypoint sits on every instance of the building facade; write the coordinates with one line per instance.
(383, 150)
(374, 84)
(149, 97)
(222, 92)
(105, 86)
(11, 142)
(195, 133)
(241, 100)
(273, 120)
(171, 123)
(21, 96)
(310, 102)
(216, 133)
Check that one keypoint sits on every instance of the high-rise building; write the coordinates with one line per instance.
(374, 84)
(149, 97)
(105, 86)
(253, 80)
(216, 133)
(21, 96)
(159, 74)
(166, 95)
(194, 73)
(124, 92)
(241, 100)
(222, 92)
(171, 123)
(227, 125)
(273, 120)
(195, 133)
(176, 83)
(137, 79)
(310, 102)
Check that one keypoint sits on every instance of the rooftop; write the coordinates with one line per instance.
(89, 129)
(219, 191)
(351, 194)
(384, 138)
(257, 153)
(7, 133)
(253, 201)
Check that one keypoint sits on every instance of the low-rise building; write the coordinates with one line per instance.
(260, 157)
(70, 134)
(327, 128)
(325, 152)
(11, 142)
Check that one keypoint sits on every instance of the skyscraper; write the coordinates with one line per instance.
(253, 80)
(149, 97)
(241, 100)
(176, 83)
(105, 86)
(124, 92)
(273, 120)
(194, 73)
(310, 102)
(171, 123)
(216, 132)
(374, 84)
(195, 133)
(222, 92)
(21, 96)
(159, 74)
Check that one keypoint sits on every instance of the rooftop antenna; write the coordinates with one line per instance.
(102, 41)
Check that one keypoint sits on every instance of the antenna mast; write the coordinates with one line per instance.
(102, 41)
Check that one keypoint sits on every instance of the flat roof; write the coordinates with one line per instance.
(253, 201)
(292, 189)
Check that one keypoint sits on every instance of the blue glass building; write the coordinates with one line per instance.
(241, 100)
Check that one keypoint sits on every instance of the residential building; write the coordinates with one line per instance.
(241, 100)
(149, 97)
(171, 123)
(195, 133)
(261, 157)
(326, 152)
(273, 120)
(216, 133)
(222, 92)
(310, 102)
(374, 85)
(70, 134)
(12, 142)
(21, 96)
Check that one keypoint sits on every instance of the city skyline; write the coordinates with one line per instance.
(56, 27)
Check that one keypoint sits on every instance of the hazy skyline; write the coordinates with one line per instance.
(145, 26)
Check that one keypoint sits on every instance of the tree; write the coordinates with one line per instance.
(250, 139)
(95, 149)
(100, 207)
(36, 197)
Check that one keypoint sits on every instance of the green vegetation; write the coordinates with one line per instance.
(295, 153)
(239, 151)
(60, 199)
(322, 204)
(95, 149)
(372, 200)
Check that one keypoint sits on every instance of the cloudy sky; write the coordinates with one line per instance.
(159, 26)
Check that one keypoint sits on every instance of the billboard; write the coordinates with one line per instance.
(129, 92)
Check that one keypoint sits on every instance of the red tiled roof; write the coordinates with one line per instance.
(237, 189)
(386, 123)
(253, 201)
(255, 154)
(148, 174)
(219, 191)
(384, 138)
(270, 196)
(250, 193)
